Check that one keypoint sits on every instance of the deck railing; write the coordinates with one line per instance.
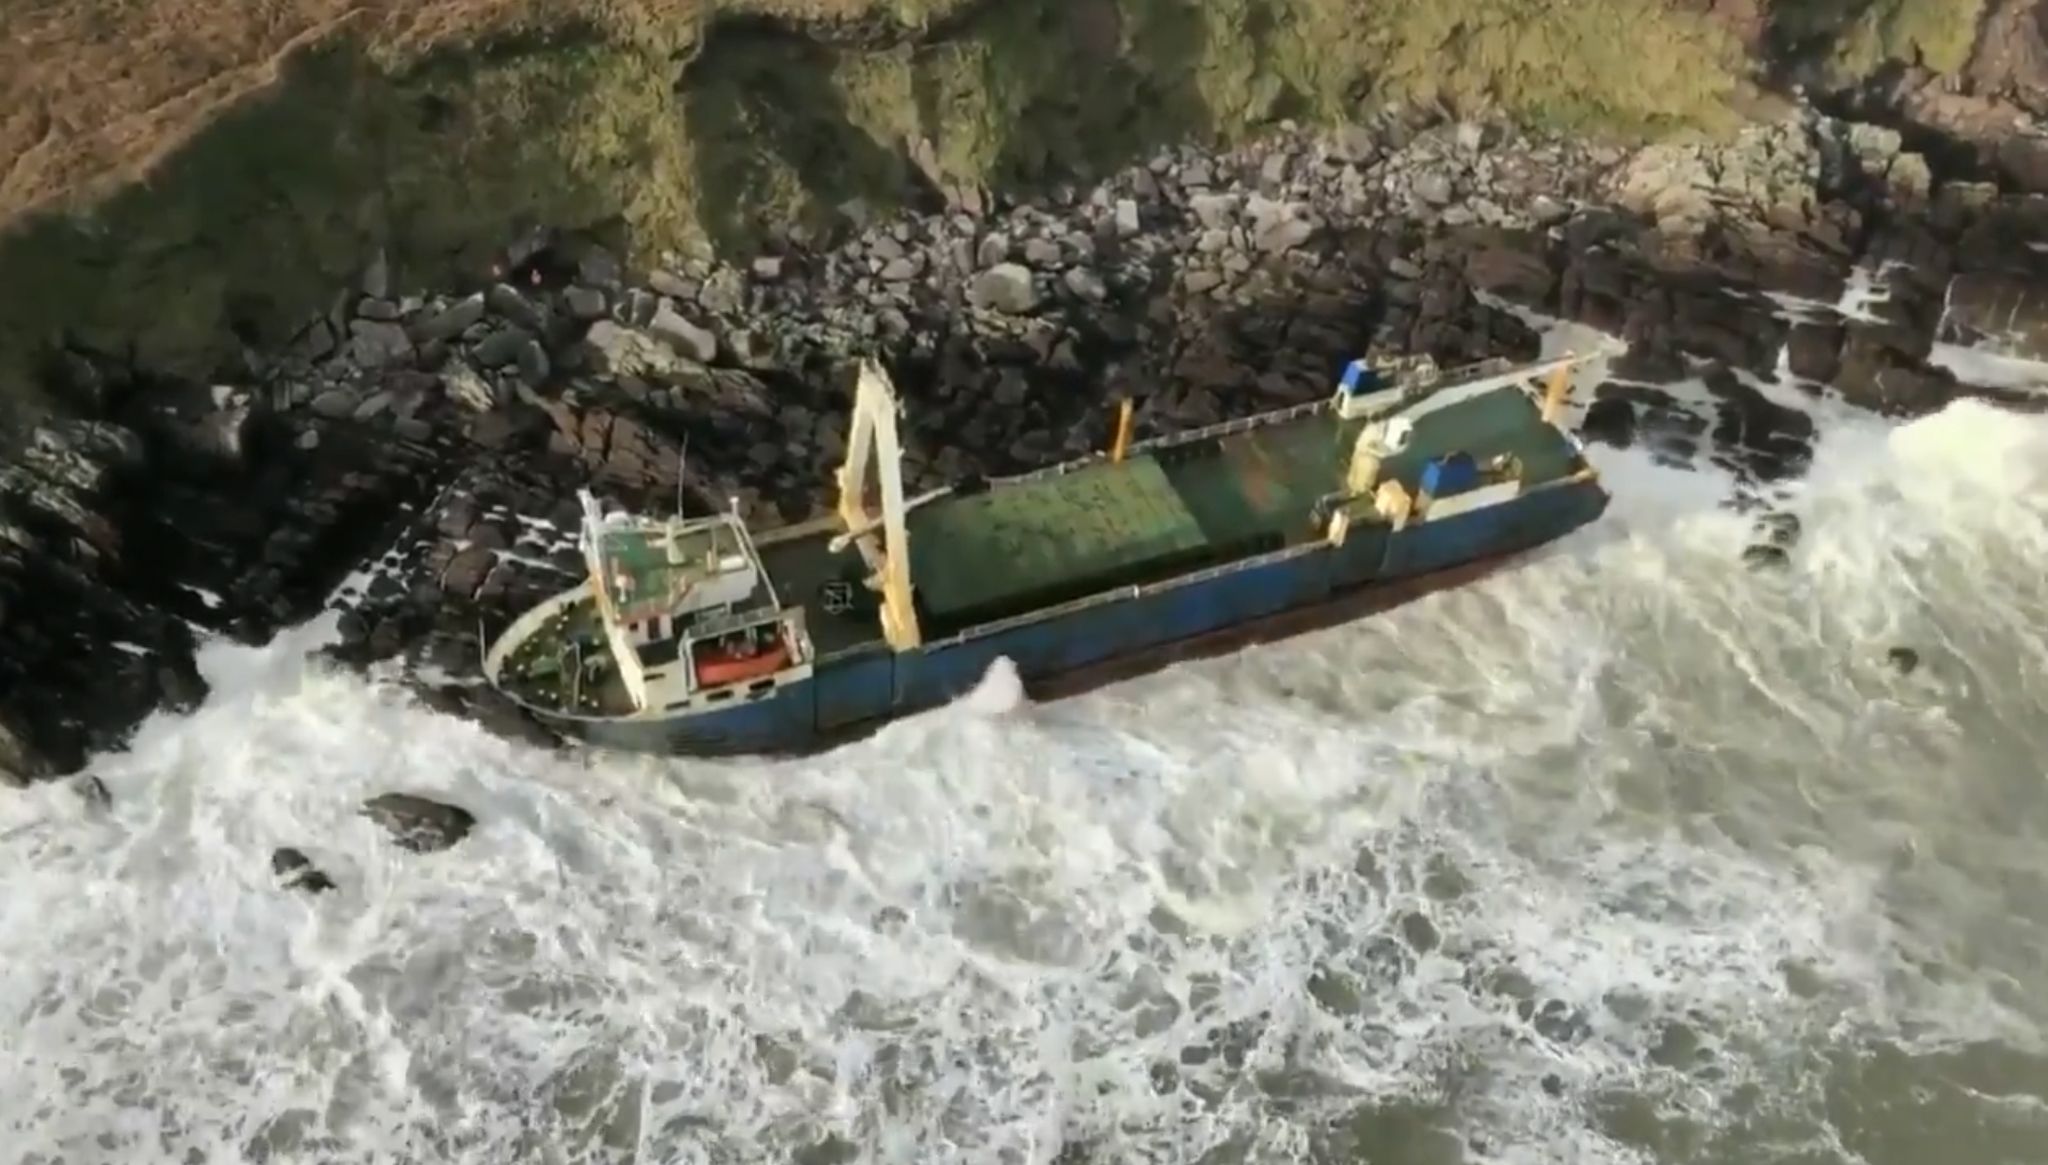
(1444, 380)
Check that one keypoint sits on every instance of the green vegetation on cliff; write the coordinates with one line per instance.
(1854, 37)
(640, 123)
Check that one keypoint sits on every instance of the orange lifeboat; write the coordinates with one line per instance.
(723, 664)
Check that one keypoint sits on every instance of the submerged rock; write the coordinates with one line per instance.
(418, 824)
(93, 792)
(1779, 528)
(297, 871)
(1904, 660)
(1765, 556)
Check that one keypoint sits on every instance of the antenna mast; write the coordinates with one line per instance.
(682, 463)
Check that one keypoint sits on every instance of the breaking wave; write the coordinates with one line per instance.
(1633, 853)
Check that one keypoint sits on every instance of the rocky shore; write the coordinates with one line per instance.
(447, 432)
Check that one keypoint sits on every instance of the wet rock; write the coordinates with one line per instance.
(93, 792)
(1420, 932)
(1779, 528)
(1903, 660)
(20, 760)
(296, 871)
(2006, 312)
(1336, 992)
(417, 823)
(1610, 420)
(1557, 1020)
(1765, 556)
(1814, 352)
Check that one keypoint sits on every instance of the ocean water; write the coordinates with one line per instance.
(1629, 854)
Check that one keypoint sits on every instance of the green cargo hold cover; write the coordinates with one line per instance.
(1004, 546)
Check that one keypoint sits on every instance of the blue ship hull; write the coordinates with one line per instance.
(1125, 633)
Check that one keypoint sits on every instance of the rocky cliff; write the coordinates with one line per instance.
(282, 149)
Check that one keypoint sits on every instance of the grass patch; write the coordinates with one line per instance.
(256, 224)
(1621, 66)
(1856, 37)
(440, 131)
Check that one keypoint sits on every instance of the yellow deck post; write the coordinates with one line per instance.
(1555, 392)
(1123, 430)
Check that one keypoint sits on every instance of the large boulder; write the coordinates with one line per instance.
(417, 823)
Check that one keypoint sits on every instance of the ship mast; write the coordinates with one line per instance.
(873, 439)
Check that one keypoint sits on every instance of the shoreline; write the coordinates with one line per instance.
(451, 428)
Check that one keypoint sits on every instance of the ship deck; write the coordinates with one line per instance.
(539, 670)
(1080, 529)
(1179, 506)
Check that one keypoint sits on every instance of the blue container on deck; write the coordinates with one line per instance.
(1360, 378)
(1444, 476)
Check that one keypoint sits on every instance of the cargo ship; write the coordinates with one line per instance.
(697, 635)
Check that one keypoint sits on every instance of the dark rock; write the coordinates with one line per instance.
(513, 305)
(206, 428)
(501, 348)
(598, 267)
(1765, 556)
(296, 871)
(378, 309)
(417, 823)
(21, 761)
(500, 716)
(1521, 274)
(1779, 528)
(1813, 352)
(374, 344)
(585, 303)
(1420, 932)
(1610, 420)
(2008, 312)
(376, 280)
(451, 321)
(93, 792)
(1887, 381)
(1903, 660)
